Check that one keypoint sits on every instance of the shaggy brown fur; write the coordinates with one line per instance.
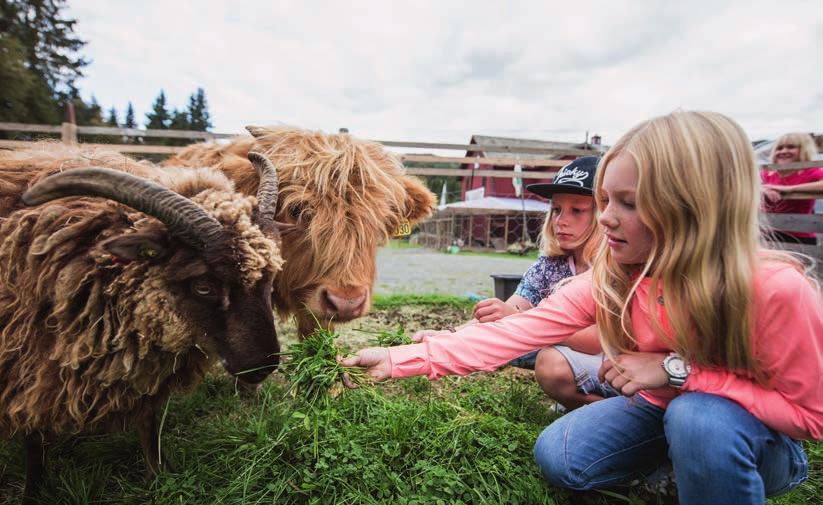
(344, 196)
(88, 341)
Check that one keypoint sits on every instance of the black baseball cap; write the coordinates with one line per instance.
(576, 178)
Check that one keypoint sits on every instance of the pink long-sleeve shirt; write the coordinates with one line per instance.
(805, 206)
(787, 342)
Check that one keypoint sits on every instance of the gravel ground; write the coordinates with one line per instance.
(425, 271)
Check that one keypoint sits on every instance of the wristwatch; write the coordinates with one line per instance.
(677, 369)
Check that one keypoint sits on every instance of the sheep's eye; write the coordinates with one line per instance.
(204, 288)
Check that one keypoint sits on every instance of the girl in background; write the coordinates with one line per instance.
(791, 148)
(713, 341)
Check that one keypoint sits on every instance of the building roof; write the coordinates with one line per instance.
(510, 141)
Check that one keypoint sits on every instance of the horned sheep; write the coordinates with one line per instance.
(340, 199)
(120, 285)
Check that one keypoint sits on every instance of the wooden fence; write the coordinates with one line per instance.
(69, 132)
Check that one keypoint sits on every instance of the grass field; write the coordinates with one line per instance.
(458, 440)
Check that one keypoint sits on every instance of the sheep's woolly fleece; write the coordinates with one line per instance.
(87, 342)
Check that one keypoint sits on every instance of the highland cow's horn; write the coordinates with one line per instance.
(266, 192)
(256, 131)
(184, 219)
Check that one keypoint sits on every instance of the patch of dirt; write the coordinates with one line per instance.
(412, 317)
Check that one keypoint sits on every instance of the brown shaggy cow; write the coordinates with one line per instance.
(341, 198)
(116, 290)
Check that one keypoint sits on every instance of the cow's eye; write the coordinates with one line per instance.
(295, 211)
(204, 288)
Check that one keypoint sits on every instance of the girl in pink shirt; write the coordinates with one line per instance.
(791, 148)
(715, 343)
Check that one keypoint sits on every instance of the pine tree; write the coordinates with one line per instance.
(38, 60)
(130, 122)
(49, 41)
(179, 121)
(88, 114)
(158, 118)
(112, 119)
(199, 117)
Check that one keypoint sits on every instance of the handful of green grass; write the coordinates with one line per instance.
(389, 338)
(313, 371)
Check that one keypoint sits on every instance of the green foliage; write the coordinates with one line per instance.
(399, 300)
(435, 182)
(111, 119)
(459, 440)
(198, 115)
(194, 117)
(48, 40)
(24, 96)
(159, 117)
(312, 368)
(38, 60)
(129, 121)
(389, 338)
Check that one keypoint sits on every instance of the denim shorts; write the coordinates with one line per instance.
(584, 367)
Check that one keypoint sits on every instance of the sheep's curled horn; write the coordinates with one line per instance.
(183, 218)
(266, 194)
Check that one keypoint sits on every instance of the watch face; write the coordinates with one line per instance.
(676, 367)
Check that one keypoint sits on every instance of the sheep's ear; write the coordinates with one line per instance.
(147, 247)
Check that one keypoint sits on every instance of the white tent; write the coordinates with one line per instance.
(500, 203)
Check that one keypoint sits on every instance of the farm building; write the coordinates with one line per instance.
(503, 187)
(491, 214)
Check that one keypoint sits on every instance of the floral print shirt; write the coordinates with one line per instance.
(540, 279)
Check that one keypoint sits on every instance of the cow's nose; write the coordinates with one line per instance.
(348, 303)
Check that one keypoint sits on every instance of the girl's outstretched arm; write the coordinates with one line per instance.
(488, 346)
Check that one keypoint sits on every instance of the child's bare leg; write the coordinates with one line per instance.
(555, 376)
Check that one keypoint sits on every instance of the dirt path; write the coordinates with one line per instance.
(424, 271)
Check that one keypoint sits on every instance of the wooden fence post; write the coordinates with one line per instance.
(68, 132)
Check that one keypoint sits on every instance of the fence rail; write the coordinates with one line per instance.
(68, 134)
(494, 230)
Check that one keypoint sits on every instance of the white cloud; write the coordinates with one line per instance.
(440, 71)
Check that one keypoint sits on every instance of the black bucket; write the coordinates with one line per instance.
(505, 285)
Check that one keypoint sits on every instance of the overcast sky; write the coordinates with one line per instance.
(441, 71)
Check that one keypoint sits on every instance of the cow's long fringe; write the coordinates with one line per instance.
(347, 195)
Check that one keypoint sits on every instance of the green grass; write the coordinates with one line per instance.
(457, 440)
(382, 302)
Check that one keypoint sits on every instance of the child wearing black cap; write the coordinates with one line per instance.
(569, 240)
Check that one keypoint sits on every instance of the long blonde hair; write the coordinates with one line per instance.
(808, 149)
(698, 192)
(591, 239)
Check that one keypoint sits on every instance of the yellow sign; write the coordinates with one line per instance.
(404, 229)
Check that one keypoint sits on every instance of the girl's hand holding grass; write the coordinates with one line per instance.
(375, 360)
(632, 373)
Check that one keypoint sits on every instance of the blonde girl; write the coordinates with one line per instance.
(714, 341)
(791, 148)
(569, 241)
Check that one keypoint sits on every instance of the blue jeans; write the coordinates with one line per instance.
(719, 451)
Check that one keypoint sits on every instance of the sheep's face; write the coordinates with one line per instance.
(217, 300)
(232, 318)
